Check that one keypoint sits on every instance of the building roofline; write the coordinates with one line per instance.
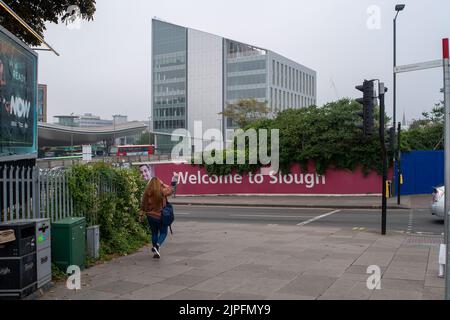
(247, 44)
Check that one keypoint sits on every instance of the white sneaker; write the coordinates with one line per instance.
(156, 253)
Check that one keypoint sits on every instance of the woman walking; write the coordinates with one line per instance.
(153, 201)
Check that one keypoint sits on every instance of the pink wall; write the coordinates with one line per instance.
(333, 182)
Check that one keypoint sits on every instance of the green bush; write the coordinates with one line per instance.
(327, 136)
(110, 197)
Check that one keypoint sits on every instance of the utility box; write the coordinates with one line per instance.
(69, 242)
(93, 241)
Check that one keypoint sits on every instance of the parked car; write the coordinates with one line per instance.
(437, 204)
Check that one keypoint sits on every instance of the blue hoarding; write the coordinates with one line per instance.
(18, 99)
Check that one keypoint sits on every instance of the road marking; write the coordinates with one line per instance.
(265, 215)
(318, 217)
(182, 213)
(251, 207)
(410, 222)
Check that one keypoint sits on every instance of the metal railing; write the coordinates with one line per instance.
(30, 192)
(18, 185)
(55, 199)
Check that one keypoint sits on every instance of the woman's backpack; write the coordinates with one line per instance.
(167, 216)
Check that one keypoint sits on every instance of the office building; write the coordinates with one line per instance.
(195, 75)
(42, 103)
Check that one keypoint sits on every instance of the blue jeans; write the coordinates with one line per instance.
(159, 232)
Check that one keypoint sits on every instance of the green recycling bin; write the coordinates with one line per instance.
(69, 242)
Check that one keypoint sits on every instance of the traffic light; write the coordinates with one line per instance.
(368, 103)
(390, 143)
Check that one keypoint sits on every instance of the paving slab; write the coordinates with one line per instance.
(155, 291)
(308, 285)
(255, 261)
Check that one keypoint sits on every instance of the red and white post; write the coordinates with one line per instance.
(446, 64)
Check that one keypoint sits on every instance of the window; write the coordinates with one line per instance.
(279, 99)
(276, 99)
(273, 72)
(271, 97)
(307, 85)
(278, 73)
(290, 78)
(282, 75)
(301, 82)
(284, 100)
(246, 94)
(285, 76)
(303, 88)
(246, 66)
(246, 80)
(294, 85)
(313, 86)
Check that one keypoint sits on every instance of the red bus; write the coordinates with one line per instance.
(133, 150)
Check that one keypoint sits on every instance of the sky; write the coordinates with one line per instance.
(104, 67)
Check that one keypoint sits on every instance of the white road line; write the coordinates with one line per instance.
(253, 207)
(265, 215)
(318, 217)
(182, 213)
(410, 222)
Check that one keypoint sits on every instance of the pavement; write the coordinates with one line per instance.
(238, 261)
(304, 201)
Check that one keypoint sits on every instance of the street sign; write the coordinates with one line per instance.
(419, 66)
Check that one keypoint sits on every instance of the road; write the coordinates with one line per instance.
(413, 221)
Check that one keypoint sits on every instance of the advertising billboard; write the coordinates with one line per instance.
(18, 99)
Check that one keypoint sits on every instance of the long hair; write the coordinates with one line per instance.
(154, 194)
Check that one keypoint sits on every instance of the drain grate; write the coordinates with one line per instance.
(424, 240)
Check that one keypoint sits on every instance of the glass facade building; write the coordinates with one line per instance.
(42, 103)
(169, 70)
(195, 75)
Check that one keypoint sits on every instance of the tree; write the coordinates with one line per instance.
(327, 136)
(37, 13)
(246, 111)
(426, 133)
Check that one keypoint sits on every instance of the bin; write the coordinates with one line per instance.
(69, 242)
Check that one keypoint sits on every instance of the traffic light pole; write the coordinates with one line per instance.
(381, 93)
(399, 170)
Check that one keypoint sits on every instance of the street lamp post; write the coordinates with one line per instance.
(398, 8)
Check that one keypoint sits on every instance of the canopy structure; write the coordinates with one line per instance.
(53, 135)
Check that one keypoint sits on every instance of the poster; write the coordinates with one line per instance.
(18, 94)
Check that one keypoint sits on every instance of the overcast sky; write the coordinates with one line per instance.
(104, 67)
